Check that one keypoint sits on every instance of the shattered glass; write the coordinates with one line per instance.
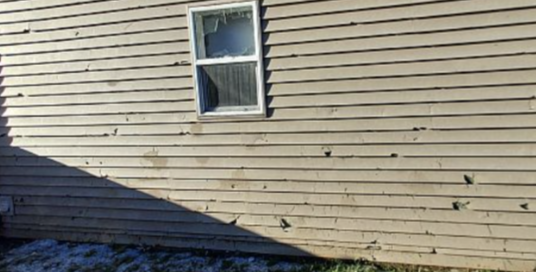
(225, 33)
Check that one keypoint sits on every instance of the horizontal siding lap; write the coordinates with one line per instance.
(267, 209)
(398, 131)
(396, 124)
(298, 233)
(328, 224)
(509, 150)
(241, 173)
(285, 139)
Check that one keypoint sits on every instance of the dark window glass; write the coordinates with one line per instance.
(229, 85)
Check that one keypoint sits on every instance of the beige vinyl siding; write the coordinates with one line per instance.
(378, 112)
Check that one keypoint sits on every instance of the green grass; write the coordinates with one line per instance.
(338, 267)
(365, 266)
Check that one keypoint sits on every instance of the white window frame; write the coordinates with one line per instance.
(245, 111)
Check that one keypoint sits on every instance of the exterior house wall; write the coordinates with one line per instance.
(397, 131)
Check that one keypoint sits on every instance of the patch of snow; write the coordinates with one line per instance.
(50, 255)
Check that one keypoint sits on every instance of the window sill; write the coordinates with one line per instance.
(231, 115)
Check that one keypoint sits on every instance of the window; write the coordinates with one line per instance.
(227, 59)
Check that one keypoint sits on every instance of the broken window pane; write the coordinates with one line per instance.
(225, 33)
(229, 85)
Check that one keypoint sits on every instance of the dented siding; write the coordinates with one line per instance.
(398, 131)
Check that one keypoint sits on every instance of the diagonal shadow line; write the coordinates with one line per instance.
(70, 204)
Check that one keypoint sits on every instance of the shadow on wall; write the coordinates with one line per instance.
(54, 200)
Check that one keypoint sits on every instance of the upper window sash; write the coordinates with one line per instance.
(194, 32)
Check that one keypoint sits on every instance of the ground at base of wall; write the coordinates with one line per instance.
(50, 255)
